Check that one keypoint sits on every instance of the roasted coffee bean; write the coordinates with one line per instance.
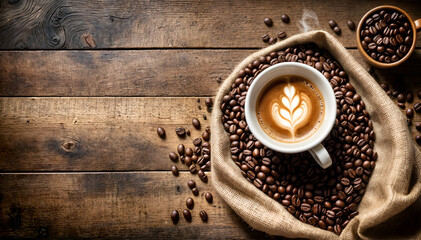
(410, 97)
(209, 102)
(265, 38)
(305, 207)
(337, 30)
(180, 149)
(191, 184)
(410, 113)
(161, 132)
(417, 107)
(401, 98)
(175, 216)
(196, 123)
(272, 41)
(189, 203)
(285, 18)
(418, 139)
(193, 169)
(197, 141)
(203, 215)
(332, 24)
(173, 156)
(180, 131)
(188, 151)
(351, 25)
(195, 191)
(174, 170)
(268, 22)
(418, 126)
(281, 35)
(187, 215)
(209, 197)
(202, 176)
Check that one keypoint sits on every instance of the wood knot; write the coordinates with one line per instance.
(13, 1)
(88, 40)
(55, 40)
(69, 146)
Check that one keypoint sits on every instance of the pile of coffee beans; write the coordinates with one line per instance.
(386, 36)
(197, 158)
(325, 198)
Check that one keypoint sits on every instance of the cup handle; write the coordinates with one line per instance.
(321, 156)
(417, 24)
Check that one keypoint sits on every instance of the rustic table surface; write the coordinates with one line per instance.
(85, 84)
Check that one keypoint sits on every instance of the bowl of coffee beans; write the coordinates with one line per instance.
(386, 36)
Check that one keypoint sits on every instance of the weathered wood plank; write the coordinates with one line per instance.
(112, 205)
(96, 134)
(138, 73)
(73, 24)
(84, 134)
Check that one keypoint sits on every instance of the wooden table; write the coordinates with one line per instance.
(85, 84)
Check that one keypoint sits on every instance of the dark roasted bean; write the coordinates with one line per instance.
(209, 197)
(161, 132)
(203, 215)
(175, 216)
(268, 21)
(187, 215)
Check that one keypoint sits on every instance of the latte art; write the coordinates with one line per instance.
(292, 111)
(290, 108)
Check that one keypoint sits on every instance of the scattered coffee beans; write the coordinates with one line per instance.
(208, 102)
(337, 30)
(386, 36)
(265, 38)
(180, 149)
(195, 191)
(161, 132)
(401, 98)
(282, 35)
(418, 126)
(295, 180)
(208, 197)
(410, 97)
(180, 131)
(187, 215)
(417, 107)
(272, 40)
(285, 18)
(189, 203)
(332, 24)
(351, 25)
(196, 123)
(268, 22)
(174, 216)
(385, 86)
(202, 176)
(418, 139)
(203, 215)
(173, 156)
(174, 170)
(191, 184)
(410, 113)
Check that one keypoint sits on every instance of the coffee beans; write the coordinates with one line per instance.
(410, 112)
(386, 39)
(191, 184)
(180, 131)
(285, 18)
(196, 123)
(417, 107)
(418, 139)
(203, 215)
(195, 191)
(208, 197)
(189, 203)
(173, 156)
(295, 180)
(202, 176)
(187, 215)
(208, 102)
(351, 25)
(265, 38)
(282, 35)
(174, 170)
(174, 216)
(337, 30)
(161, 132)
(268, 22)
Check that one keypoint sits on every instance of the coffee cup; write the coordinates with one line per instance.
(291, 107)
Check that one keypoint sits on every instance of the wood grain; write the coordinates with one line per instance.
(139, 73)
(70, 24)
(96, 134)
(112, 205)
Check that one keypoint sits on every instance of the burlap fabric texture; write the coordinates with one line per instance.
(391, 206)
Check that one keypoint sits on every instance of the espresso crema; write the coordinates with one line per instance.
(290, 108)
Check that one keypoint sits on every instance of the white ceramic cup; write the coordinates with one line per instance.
(313, 143)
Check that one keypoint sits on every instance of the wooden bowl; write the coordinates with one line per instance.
(415, 25)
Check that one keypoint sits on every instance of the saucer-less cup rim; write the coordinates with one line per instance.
(415, 26)
(314, 141)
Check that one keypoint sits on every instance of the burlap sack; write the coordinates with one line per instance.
(391, 206)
